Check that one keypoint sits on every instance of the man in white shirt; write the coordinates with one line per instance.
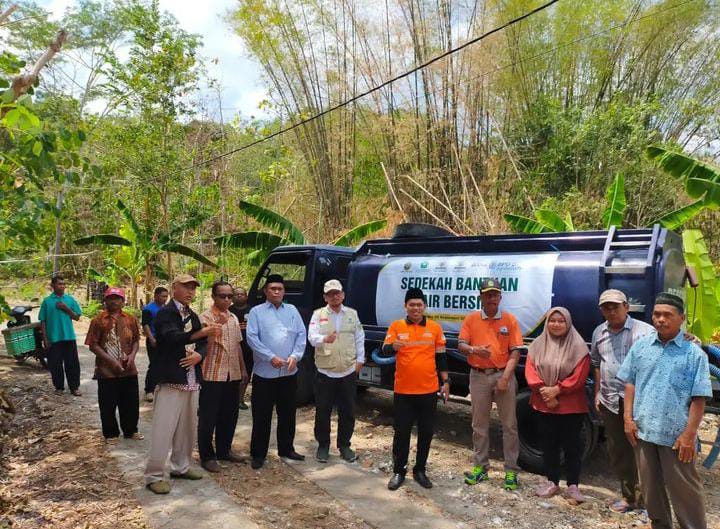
(339, 340)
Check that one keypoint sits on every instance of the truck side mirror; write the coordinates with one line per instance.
(691, 277)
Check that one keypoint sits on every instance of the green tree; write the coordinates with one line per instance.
(142, 249)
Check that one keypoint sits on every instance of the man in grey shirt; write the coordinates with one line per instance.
(276, 334)
(611, 342)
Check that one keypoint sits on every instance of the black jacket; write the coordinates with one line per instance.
(171, 341)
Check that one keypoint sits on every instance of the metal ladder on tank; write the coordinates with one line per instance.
(615, 241)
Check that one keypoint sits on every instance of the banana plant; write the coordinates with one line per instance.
(140, 249)
(548, 221)
(700, 179)
(283, 232)
(703, 302)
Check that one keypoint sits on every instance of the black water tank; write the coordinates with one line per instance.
(412, 230)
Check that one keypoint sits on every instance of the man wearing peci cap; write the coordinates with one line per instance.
(611, 342)
(339, 340)
(181, 346)
(491, 339)
(276, 334)
(666, 382)
(418, 345)
(114, 338)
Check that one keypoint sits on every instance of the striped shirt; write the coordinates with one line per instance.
(222, 362)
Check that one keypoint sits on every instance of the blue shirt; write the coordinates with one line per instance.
(58, 324)
(275, 332)
(148, 315)
(666, 377)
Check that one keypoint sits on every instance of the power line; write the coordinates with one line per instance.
(381, 85)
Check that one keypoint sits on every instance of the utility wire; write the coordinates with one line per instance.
(381, 85)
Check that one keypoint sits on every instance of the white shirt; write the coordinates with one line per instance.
(316, 339)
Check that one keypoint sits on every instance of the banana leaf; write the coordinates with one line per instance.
(677, 218)
(181, 249)
(616, 203)
(712, 189)
(686, 168)
(551, 220)
(105, 239)
(140, 234)
(703, 308)
(251, 240)
(358, 233)
(524, 224)
(274, 221)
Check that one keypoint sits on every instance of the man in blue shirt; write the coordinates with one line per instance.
(276, 334)
(57, 313)
(666, 381)
(149, 313)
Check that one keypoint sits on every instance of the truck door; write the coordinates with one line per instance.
(296, 269)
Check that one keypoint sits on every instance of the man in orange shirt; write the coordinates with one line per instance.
(491, 339)
(419, 346)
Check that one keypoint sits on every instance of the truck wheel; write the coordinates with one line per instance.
(531, 454)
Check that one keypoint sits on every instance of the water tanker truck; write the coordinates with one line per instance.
(536, 272)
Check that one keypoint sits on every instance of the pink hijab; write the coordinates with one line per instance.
(556, 358)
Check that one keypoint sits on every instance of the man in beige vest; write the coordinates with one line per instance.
(339, 340)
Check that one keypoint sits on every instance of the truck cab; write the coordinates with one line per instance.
(305, 270)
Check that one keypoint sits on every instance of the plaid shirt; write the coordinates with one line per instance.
(608, 351)
(222, 362)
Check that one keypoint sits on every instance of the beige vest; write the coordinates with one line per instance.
(340, 355)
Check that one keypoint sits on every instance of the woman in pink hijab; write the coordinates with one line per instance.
(556, 369)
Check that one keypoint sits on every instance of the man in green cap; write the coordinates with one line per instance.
(491, 339)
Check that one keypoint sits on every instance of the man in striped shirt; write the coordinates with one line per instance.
(223, 370)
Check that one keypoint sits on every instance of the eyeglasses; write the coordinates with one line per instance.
(224, 296)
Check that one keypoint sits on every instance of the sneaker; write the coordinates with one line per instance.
(137, 436)
(59, 391)
(511, 480)
(547, 490)
(573, 495)
(323, 454)
(211, 465)
(111, 440)
(149, 397)
(159, 487)
(76, 392)
(190, 474)
(348, 454)
(476, 475)
(620, 507)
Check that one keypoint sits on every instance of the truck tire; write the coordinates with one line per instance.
(531, 454)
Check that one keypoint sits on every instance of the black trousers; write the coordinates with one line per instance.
(119, 394)
(150, 378)
(217, 416)
(269, 393)
(408, 410)
(63, 362)
(328, 393)
(561, 432)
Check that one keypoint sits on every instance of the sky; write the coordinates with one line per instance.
(239, 76)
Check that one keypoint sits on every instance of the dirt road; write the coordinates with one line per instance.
(57, 472)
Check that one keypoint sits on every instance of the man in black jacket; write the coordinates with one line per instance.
(181, 346)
